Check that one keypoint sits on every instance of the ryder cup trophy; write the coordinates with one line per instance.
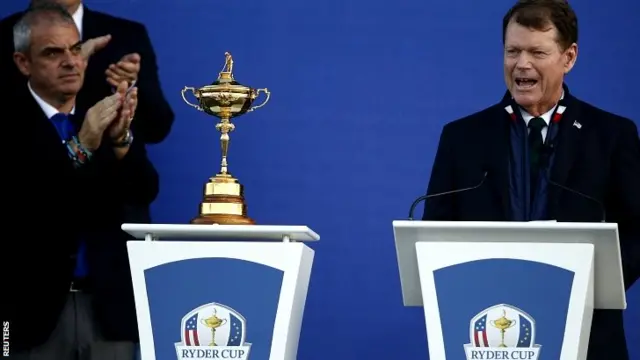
(225, 99)
(503, 324)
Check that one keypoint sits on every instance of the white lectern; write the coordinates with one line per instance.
(219, 291)
(509, 290)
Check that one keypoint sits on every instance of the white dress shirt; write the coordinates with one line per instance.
(546, 117)
(47, 108)
(77, 18)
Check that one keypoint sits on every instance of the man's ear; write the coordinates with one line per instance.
(571, 56)
(22, 62)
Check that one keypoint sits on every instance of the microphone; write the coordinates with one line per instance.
(603, 210)
(451, 192)
(547, 151)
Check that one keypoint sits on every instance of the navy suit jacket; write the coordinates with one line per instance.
(52, 206)
(106, 250)
(600, 158)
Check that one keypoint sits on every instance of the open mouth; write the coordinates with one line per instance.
(525, 83)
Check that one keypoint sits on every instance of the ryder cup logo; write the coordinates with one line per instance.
(213, 331)
(502, 332)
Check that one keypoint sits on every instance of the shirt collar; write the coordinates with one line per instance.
(546, 116)
(48, 110)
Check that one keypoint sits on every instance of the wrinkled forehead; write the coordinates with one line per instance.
(56, 34)
(520, 36)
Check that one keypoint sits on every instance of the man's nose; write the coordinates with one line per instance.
(69, 59)
(524, 62)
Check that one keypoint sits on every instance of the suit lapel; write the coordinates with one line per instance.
(498, 156)
(95, 69)
(92, 25)
(46, 143)
(89, 26)
(567, 144)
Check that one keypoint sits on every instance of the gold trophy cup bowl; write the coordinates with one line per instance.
(213, 322)
(503, 324)
(225, 99)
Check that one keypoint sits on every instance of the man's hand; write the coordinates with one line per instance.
(126, 69)
(91, 46)
(118, 128)
(97, 119)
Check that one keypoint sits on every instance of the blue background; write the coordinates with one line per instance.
(174, 289)
(360, 92)
(540, 290)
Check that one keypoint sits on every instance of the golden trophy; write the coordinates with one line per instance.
(225, 99)
(503, 324)
(213, 322)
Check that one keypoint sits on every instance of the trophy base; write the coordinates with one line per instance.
(222, 219)
(223, 203)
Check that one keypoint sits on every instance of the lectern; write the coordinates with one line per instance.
(219, 291)
(509, 290)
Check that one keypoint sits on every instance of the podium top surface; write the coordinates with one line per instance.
(221, 232)
(608, 278)
(503, 225)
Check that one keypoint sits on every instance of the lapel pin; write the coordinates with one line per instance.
(577, 124)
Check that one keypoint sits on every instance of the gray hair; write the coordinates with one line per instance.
(38, 12)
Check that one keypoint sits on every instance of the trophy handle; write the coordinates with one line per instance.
(193, 91)
(266, 92)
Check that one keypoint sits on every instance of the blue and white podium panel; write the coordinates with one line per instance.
(507, 301)
(219, 300)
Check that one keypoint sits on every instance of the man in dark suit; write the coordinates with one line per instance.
(538, 138)
(117, 50)
(68, 171)
(125, 53)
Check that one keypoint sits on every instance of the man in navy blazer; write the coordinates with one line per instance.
(125, 52)
(121, 50)
(538, 141)
(70, 170)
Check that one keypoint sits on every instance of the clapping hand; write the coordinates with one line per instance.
(126, 69)
(118, 128)
(98, 119)
(90, 46)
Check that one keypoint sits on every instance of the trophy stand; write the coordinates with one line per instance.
(224, 201)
